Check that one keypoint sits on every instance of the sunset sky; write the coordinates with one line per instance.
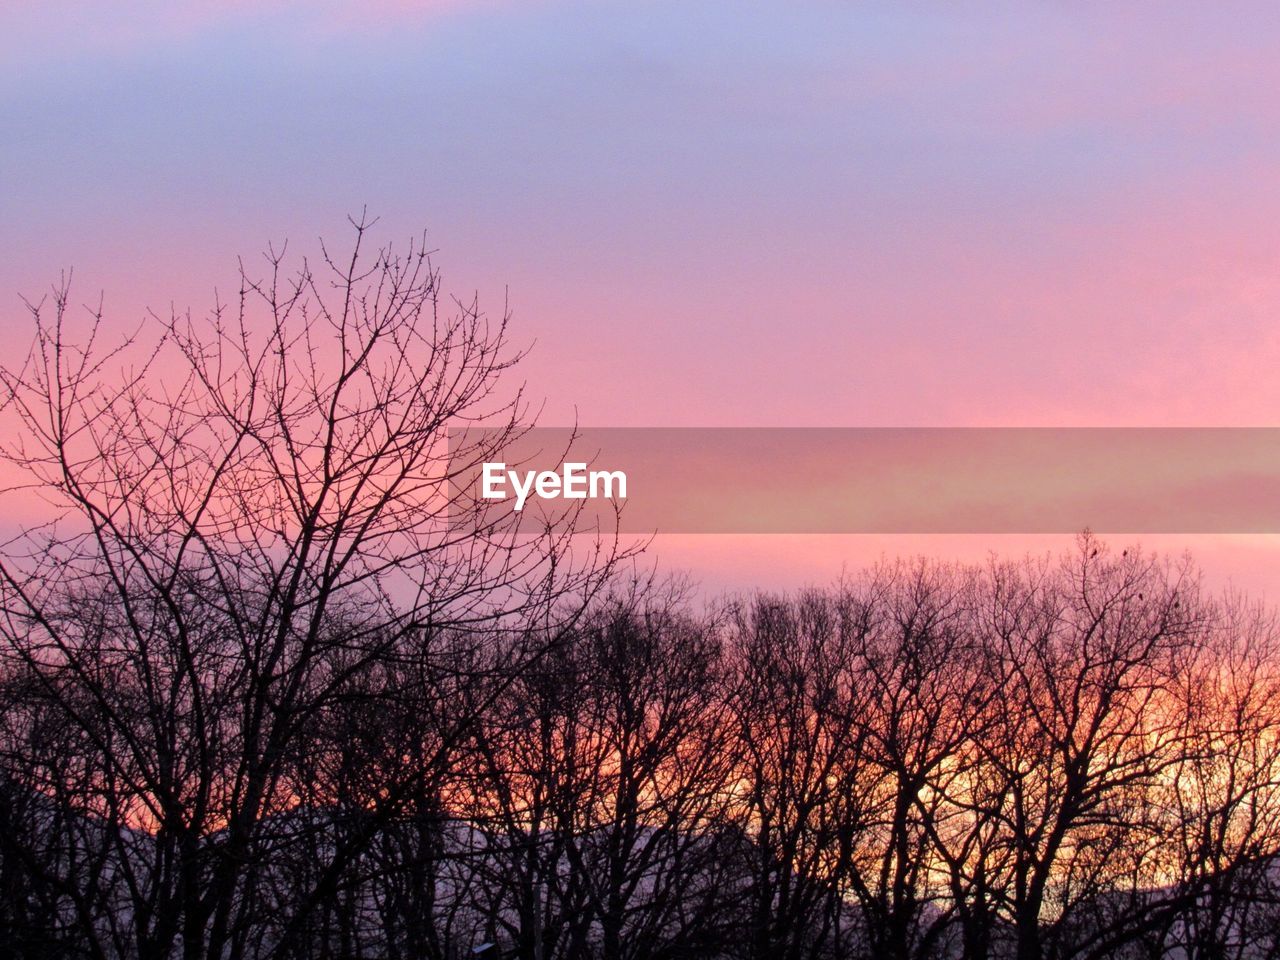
(710, 214)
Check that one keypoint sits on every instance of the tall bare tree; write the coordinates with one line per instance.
(252, 511)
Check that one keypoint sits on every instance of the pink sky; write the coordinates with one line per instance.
(704, 214)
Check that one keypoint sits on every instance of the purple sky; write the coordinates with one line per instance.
(707, 213)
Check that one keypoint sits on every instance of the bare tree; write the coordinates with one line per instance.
(921, 664)
(1080, 735)
(1219, 806)
(806, 785)
(253, 510)
(603, 782)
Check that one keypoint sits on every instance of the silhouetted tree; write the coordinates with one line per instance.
(271, 686)
(253, 517)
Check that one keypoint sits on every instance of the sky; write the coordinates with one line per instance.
(707, 213)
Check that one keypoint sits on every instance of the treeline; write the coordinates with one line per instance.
(271, 686)
(1076, 758)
